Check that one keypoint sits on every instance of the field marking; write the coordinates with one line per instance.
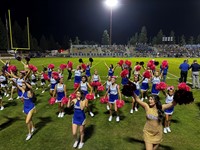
(178, 77)
(96, 64)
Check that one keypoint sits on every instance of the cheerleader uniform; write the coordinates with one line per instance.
(53, 83)
(87, 73)
(95, 78)
(33, 79)
(79, 117)
(77, 78)
(113, 96)
(168, 100)
(137, 91)
(108, 83)
(49, 72)
(19, 83)
(124, 80)
(84, 88)
(60, 92)
(110, 72)
(4, 82)
(155, 81)
(145, 84)
(42, 80)
(28, 103)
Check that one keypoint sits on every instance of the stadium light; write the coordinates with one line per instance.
(111, 4)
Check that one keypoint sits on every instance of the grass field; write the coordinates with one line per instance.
(55, 133)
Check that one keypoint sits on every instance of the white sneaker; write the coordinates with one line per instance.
(97, 95)
(62, 114)
(36, 89)
(75, 144)
(117, 119)
(165, 130)
(136, 109)
(91, 114)
(7, 95)
(28, 137)
(59, 115)
(2, 108)
(94, 97)
(145, 97)
(43, 91)
(131, 111)
(33, 129)
(17, 97)
(80, 145)
(10, 99)
(107, 107)
(142, 99)
(110, 118)
(168, 129)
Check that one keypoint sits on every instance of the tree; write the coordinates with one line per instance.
(76, 41)
(172, 34)
(43, 43)
(191, 40)
(33, 43)
(159, 37)
(66, 42)
(17, 35)
(182, 40)
(3, 38)
(154, 40)
(105, 38)
(51, 43)
(198, 39)
(143, 35)
(134, 39)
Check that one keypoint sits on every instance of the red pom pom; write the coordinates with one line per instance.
(95, 84)
(138, 68)
(55, 75)
(64, 100)
(70, 64)
(89, 96)
(120, 103)
(12, 68)
(51, 66)
(128, 63)
(161, 86)
(121, 62)
(45, 76)
(72, 96)
(164, 64)
(147, 74)
(100, 88)
(104, 100)
(63, 66)
(183, 86)
(150, 63)
(31, 66)
(76, 85)
(83, 66)
(124, 73)
(153, 67)
(52, 101)
(35, 69)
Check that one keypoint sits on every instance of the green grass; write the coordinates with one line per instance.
(55, 133)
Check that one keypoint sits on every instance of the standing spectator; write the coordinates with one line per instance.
(184, 67)
(195, 74)
(164, 71)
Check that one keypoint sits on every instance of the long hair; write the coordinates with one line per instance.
(156, 98)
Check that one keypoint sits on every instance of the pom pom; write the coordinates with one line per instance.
(52, 101)
(76, 85)
(183, 86)
(128, 89)
(35, 69)
(83, 66)
(183, 97)
(80, 60)
(147, 74)
(63, 66)
(45, 76)
(18, 58)
(70, 64)
(95, 84)
(51, 66)
(100, 88)
(138, 68)
(124, 73)
(161, 86)
(72, 96)
(128, 63)
(150, 63)
(104, 100)
(45, 69)
(120, 62)
(164, 64)
(153, 67)
(12, 68)
(64, 100)
(156, 63)
(120, 103)
(89, 96)
(91, 60)
(141, 63)
(27, 58)
(55, 75)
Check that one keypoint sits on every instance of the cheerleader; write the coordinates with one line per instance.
(115, 94)
(69, 69)
(29, 106)
(42, 80)
(95, 79)
(155, 80)
(34, 80)
(144, 88)
(79, 118)
(125, 79)
(168, 112)
(1, 100)
(78, 72)
(60, 91)
(135, 71)
(49, 71)
(4, 83)
(60, 73)
(83, 86)
(164, 71)
(26, 65)
(6, 64)
(108, 83)
(87, 73)
(111, 69)
(53, 83)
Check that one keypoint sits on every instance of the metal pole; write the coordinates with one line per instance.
(110, 26)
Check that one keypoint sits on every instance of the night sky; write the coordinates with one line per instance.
(87, 19)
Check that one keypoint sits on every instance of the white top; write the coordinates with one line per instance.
(77, 73)
(113, 89)
(84, 86)
(169, 99)
(95, 77)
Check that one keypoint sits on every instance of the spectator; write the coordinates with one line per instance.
(195, 74)
(184, 67)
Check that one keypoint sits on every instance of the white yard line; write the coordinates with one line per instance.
(96, 64)
(178, 77)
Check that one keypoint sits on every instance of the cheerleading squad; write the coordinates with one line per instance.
(87, 88)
